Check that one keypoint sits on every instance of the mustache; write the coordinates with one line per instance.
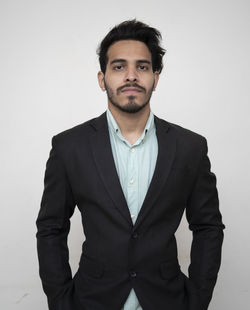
(134, 85)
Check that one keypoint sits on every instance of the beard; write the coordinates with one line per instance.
(131, 106)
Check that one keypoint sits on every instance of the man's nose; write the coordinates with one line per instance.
(131, 75)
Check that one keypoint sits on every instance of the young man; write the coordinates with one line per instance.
(132, 175)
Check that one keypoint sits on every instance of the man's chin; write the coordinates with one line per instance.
(130, 107)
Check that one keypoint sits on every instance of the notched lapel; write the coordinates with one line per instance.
(166, 154)
(102, 152)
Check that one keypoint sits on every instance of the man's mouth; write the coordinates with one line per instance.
(131, 90)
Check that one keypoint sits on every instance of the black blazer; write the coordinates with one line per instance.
(116, 254)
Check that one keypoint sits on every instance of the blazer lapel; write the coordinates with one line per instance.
(166, 154)
(104, 160)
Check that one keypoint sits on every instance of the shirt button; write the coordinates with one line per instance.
(132, 274)
(132, 181)
(132, 216)
(132, 149)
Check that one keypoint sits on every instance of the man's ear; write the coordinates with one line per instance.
(100, 77)
(156, 75)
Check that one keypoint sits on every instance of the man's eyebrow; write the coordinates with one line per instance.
(144, 61)
(117, 60)
(124, 60)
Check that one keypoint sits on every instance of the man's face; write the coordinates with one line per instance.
(129, 79)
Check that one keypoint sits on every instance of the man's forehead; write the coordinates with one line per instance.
(128, 50)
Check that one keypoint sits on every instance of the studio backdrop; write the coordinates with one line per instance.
(48, 83)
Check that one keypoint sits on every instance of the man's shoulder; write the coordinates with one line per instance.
(80, 131)
(84, 128)
(181, 132)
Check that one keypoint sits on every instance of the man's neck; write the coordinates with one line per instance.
(130, 124)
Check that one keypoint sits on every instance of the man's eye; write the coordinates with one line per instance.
(142, 67)
(119, 67)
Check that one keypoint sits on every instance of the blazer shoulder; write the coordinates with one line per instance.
(185, 137)
(73, 135)
(190, 140)
(187, 133)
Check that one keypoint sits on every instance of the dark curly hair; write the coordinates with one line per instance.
(133, 30)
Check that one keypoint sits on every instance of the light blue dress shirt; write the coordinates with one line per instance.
(135, 165)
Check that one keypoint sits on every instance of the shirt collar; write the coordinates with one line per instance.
(115, 128)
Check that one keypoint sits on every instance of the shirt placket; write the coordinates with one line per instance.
(132, 183)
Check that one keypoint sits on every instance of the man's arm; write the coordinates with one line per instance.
(53, 225)
(205, 221)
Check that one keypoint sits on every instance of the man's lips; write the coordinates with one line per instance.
(131, 90)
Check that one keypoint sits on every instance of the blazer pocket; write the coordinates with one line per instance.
(169, 269)
(91, 267)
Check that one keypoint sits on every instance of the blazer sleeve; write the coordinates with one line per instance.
(53, 225)
(205, 222)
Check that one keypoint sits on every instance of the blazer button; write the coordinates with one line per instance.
(132, 274)
(135, 235)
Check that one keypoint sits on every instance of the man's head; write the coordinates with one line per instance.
(130, 58)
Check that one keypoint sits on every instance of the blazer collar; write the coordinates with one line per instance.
(100, 122)
(104, 160)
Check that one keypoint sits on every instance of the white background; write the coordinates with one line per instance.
(48, 68)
